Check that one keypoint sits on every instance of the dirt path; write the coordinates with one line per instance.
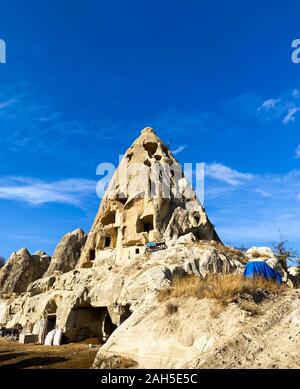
(14, 355)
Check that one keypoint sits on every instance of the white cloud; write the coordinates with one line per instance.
(7, 103)
(31, 120)
(268, 104)
(38, 192)
(262, 192)
(179, 149)
(282, 107)
(226, 174)
(290, 116)
(297, 152)
(257, 219)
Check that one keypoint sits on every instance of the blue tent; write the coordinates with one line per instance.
(151, 244)
(262, 269)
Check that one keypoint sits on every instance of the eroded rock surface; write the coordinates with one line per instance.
(67, 252)
(148, 199)
(21, 269)
(106, 284)
(94, 301)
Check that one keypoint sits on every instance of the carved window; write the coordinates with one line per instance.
(107, 241)
(92, 255)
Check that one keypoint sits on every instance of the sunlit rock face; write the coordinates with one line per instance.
(21, 269)
(67, 252)
(148, 199)
(104, 284)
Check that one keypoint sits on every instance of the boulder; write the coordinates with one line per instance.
(186, 239)
(260, 254)
(294, 271)
(186, 221)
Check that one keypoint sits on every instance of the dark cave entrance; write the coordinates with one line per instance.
(51, 323)
(89, 322)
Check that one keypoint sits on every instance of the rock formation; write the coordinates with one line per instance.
(93, 302)
(294, 271)
(105, 285)
(148, 199)
(21, 269)
(67, 252)
(114, 276)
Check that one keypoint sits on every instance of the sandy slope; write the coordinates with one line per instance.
(269, 340)
(199, 333)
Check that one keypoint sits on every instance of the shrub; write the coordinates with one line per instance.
(171, 308)
(284, 253)
(224, 288)
(241, 248)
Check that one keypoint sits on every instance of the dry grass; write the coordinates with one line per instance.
(230, 251)
(216, 309)
(116, 362)
(255, 254)
(224, 288)
(226, 250)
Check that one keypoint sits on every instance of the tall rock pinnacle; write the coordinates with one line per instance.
(148, 199)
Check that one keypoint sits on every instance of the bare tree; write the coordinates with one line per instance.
(241, 248)
(284, 253)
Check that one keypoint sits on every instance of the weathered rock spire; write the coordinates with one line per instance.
(148, 199)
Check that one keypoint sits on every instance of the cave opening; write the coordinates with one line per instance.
(151, 148)
(107, 241)
(109, 218)
(89, 322)
(92, 255)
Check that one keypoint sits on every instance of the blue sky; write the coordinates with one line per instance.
(214, 78)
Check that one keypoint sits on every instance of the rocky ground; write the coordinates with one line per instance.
(187, 332)
(70, 356)
(184, 332)
(187, 328)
